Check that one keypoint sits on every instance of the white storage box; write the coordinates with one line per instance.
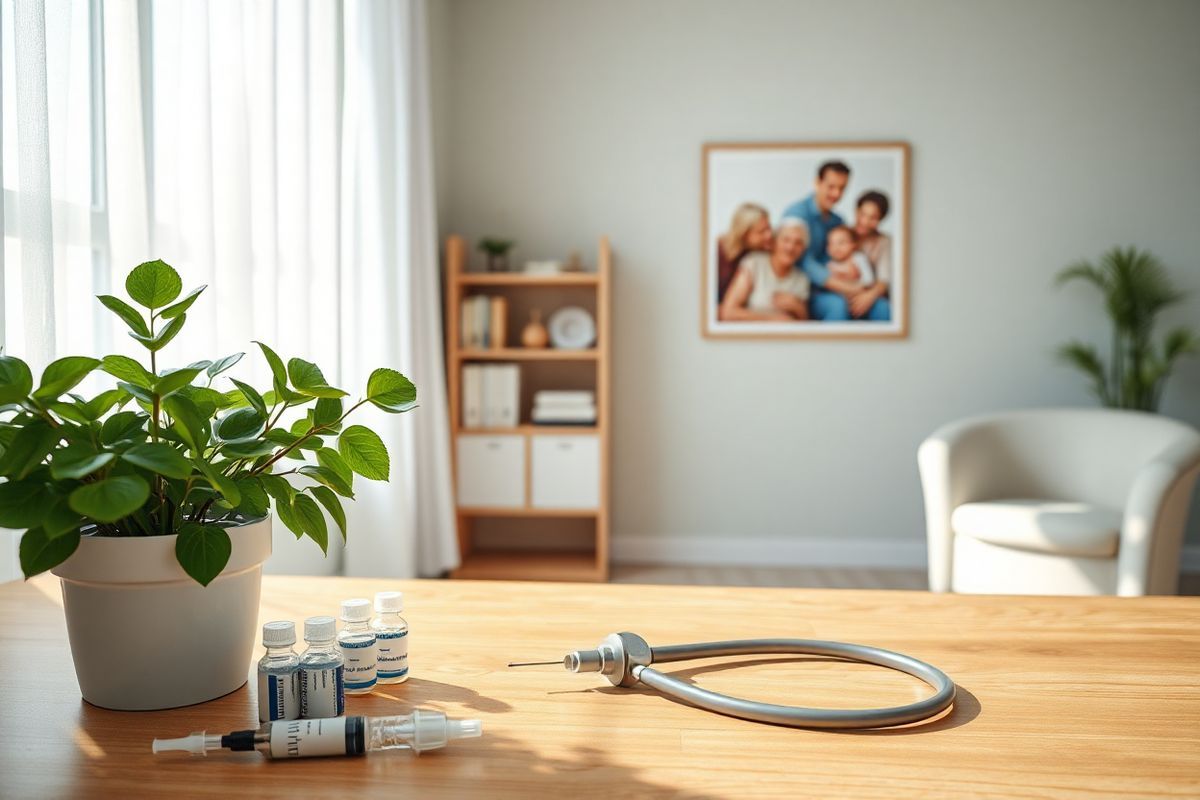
(566, 471)
(491, 471)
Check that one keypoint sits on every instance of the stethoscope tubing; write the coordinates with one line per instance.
(798, 716)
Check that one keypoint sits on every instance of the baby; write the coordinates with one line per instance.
(846, 261)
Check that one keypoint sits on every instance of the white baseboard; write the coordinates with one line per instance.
(742, 552)
(733, 551)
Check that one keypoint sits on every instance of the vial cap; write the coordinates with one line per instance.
(319, 629)
(389, 602)
(356, 610)
(278, 634)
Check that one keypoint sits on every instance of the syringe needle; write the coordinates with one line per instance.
(533, 663)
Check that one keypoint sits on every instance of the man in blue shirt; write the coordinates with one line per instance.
(830, 294)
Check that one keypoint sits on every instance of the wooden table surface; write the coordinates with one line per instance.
(1058, 698)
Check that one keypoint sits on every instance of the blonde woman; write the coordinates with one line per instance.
(767, 286)
(749, 230)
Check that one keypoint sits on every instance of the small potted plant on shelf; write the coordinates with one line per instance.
(497, 252)
(151, 500)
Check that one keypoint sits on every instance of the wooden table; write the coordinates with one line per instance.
(1058, 698)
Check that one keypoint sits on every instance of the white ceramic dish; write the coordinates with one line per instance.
(572, 328)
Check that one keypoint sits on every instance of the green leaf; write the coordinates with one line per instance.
(153, 284)
(312, 521)
(308, 379)
(63, 375)
(276, 363)
(203, 551)
(75, 412)
(287, 515)
(330, 459)
(61, 519)
(16, 381)
(278, 488)
(364, 451)
(131, 316)
(207, 400)
(99, 405)
(159, 458)
(244, 423)
(187, 422)
(144, 395)
(126, 369)
(40, 553)
(251, 448)
(23, 504)
(255, 502)
(165, 335)
(225, 485)
(28, 449)
(110, 499)
(220, 365)
(121, 425)
(391, 391)
(333, 505)
(327, 411)
(76, 461)
(175, 380)
(329, 478)
(252, 397)
(183, 305)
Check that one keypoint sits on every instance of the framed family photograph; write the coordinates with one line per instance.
(805, 240)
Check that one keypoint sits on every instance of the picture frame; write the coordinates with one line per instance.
(763, 202)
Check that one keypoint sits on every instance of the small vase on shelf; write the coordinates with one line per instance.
(535, 335)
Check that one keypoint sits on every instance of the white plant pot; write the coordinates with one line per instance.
(145, 636)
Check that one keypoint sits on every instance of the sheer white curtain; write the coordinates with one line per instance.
(278, 152)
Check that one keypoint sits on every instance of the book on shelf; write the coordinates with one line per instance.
(491, 395)
(483, 322)
(472, 396)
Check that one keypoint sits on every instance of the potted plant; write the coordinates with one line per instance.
(1136, 289)
(497, 252)
(151, 500)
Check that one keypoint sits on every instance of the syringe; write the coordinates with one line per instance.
(341, 736)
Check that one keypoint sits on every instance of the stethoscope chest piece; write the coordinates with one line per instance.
(625, 659)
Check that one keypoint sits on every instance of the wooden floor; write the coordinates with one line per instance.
(815, 578)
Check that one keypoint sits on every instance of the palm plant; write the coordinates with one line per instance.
(1136, 289)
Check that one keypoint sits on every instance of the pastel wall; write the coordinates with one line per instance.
(1041, 133)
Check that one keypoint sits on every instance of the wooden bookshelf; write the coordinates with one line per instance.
(546, 368)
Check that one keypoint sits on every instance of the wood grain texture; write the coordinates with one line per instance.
(1058, 698)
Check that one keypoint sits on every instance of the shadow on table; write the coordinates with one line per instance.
(417, 691)
(966, 706)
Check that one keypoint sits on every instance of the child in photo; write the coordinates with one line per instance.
(846, 261)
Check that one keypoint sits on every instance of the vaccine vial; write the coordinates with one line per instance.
(356, 640)
(279, 674)
(322, 693)
(391, 632)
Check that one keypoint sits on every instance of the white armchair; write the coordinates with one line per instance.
(1058, 501)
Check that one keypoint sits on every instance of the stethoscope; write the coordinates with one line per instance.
(625, 659)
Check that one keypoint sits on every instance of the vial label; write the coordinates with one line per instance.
(309, 737)
(322, 693)
(393, 654)
(278, 696)
(361, 660)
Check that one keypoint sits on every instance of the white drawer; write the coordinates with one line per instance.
(566, 472)
(491, 471)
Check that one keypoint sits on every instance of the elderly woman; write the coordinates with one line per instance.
(873, 302)
(767, 286)
(749, 230)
